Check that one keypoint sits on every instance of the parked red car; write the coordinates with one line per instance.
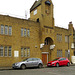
(61, 61)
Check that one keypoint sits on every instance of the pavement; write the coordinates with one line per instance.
(10, 68)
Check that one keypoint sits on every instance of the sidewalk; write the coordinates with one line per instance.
(10, 68)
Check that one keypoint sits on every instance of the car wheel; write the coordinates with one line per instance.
(57, 64)
(68, 64)
(23, 67)
(40, 65)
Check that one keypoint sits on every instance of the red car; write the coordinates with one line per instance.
(61, 61)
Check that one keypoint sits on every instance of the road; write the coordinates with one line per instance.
(44, 71)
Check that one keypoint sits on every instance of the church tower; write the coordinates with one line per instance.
(42, 11)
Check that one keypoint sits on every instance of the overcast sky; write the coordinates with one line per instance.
(64, 10)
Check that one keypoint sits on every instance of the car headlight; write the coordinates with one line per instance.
(16, 64)
(53, 62)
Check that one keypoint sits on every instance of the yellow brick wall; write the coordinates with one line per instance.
(16, 41)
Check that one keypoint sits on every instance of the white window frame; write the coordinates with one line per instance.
(5, 51)
(28, 52)
(35, 11)
(21, 31)
(10, 30)
(25, 32)
(25, 52)
(6, 30)
(1, 51)
(22, 52)
(2, 29)
(9, 52)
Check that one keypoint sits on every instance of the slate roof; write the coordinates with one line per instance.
(36, 3)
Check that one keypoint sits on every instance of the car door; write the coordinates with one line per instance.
(29, 62)
(61, 61)
(35, 62)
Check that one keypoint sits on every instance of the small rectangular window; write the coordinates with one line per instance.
(22, 53)
(9, 51)
(21, 31)
(28, 32)
(25, 50)
(66, 53)
(28, 52)
(35, 12)
(1, 51)
(66, 38)
(59, 53)
(5, 51)
(2, 29)
(6, 30)
(10, 30)
(25, 32)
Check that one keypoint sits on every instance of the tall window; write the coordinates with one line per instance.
(21, 31)
(28, 52)
(25, 50)
(66, 38)
(1, 51)
(6, 30)
(9, 51)
(22, 52)
(59, 37)
(59, 53)
(35, 12)
(66, 53)
(25, 34)
(2, 29)
(28, 32)
(5, 51)
(10, 30)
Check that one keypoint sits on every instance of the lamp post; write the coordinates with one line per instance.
(68, 47)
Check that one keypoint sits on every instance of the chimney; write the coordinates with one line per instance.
(70, 26)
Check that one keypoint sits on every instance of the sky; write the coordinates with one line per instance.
(64, 10)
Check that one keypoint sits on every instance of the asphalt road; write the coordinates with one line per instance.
(44, 71)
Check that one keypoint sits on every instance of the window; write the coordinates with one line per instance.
(28, 32)
(59, 53)
(28, 52)
(6, 30)
(25, 52)
(1, 51)
(66, 38)
(46, 30)
(9, 51)
(2, 29)
(5, 51)
(10, 30)
(25, 34)
(21, 52)
(35, 12)
(59, 37)
(66, 53)
(21, 31)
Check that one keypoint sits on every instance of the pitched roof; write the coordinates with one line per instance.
(36, 3)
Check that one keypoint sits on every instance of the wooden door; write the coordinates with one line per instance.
(44, 58)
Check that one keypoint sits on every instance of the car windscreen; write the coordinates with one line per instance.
(55, 59)
(25, 59)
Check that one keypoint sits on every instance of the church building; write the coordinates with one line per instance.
(36, 37)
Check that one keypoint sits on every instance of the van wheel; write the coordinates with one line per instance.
(57, 64)
(23, 67)
(40, 65)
